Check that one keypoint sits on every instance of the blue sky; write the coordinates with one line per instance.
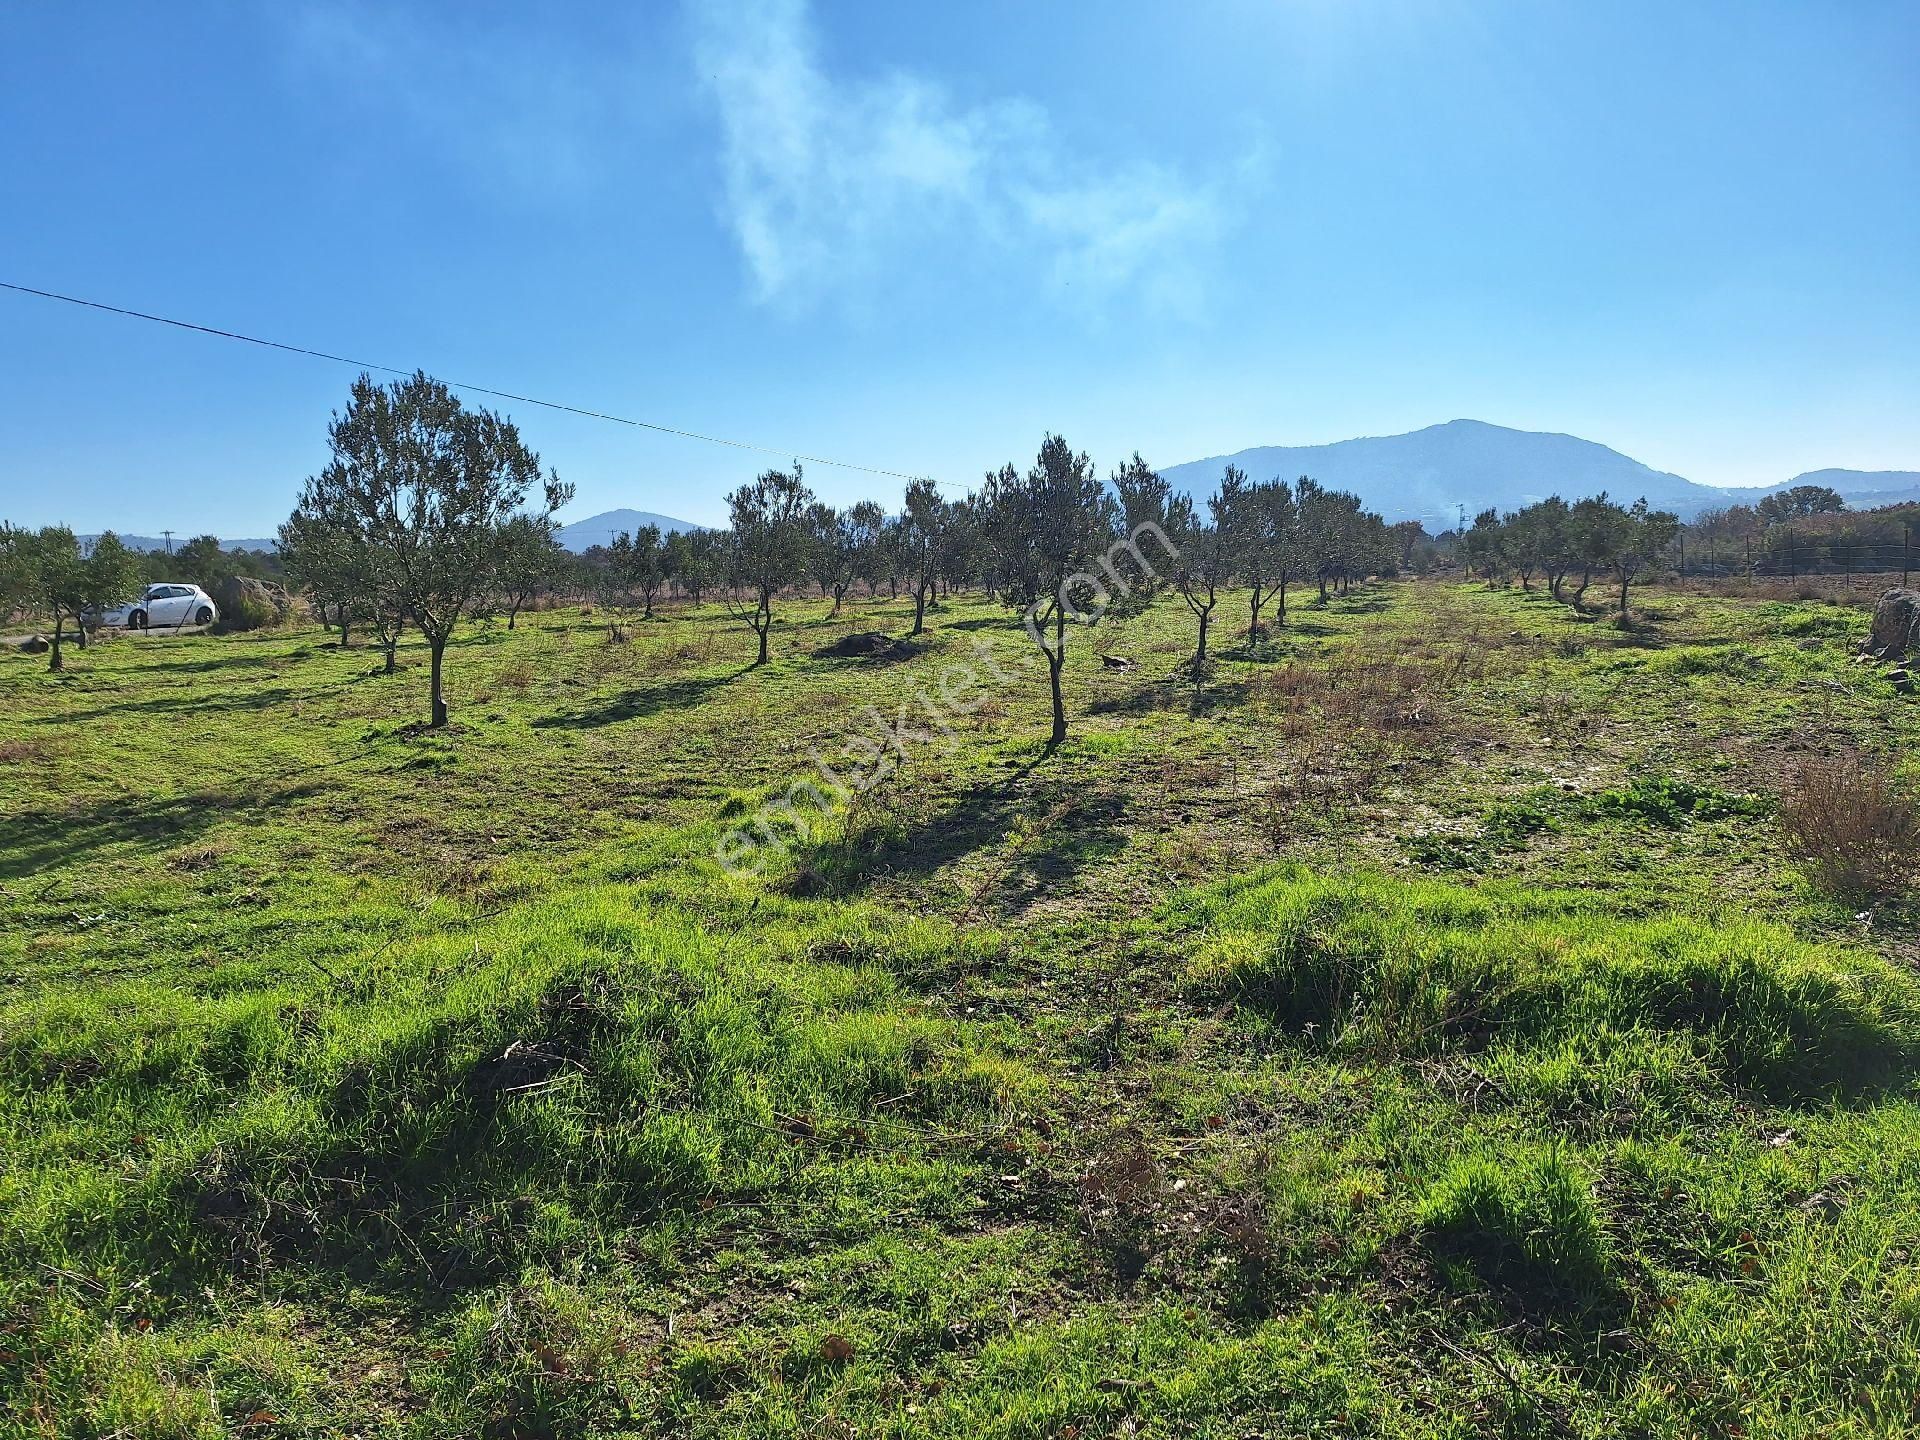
(917, 236)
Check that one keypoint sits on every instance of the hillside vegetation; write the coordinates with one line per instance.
(1419, 1029)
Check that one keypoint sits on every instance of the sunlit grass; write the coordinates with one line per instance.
(1418, 1028)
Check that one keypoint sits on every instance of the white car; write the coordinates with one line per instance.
(164, 605)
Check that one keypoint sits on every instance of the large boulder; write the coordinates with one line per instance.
(35, 645)
(1896, 626)
(249, 604)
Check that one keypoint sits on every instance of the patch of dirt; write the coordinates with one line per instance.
(868, 645)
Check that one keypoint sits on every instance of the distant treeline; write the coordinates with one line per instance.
(1816, 536)
(1803, 531)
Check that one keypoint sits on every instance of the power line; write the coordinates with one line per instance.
(454, 384)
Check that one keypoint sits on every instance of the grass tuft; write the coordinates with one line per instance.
(1522, 1215)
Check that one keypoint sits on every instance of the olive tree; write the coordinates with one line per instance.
(1203, 563)
(17, 570)
(836, 544)
(1258, 527)
(694, 560)
(640, 557)
(322, 560)
(769, 544)
(866, 524)
(425, 491)
(530, 561)
(924, 523)
(1047, 531)
(1144, 505)
(1641, 535)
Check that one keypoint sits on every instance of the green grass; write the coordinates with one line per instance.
(1416, 1031)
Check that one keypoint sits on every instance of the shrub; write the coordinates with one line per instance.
(246, 612)
(1851, 826)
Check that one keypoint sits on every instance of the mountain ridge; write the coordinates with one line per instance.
(599, 529)
(1434, 474)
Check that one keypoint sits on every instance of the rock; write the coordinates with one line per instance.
(1896, 626)
(36, 645)
(1902, 682)
(1116, 662)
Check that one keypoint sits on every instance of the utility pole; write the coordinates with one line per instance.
(1906, 555)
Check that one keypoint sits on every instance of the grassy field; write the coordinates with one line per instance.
(1417, 1031)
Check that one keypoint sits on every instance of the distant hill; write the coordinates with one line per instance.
(1867, 489)
(594, 530)
(1429, 475)
(155, 542)
(599, 529)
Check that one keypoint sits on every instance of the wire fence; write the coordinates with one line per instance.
(1789, 557)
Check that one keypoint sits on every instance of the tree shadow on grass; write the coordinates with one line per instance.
(1077, 827)
(201, 667)
(1174, 692)
(1263, 652)
(196, 704)
(1298, 624)
(1371, 603)
(643, 701)
(1091, 829)
(36, 840)
(1638, 632)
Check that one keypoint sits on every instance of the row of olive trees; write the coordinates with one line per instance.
(1556, 540)
(929, 544)
(429, 512)
(1265, 534)
(48, 571)
(1056, 543)
(422, 518)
